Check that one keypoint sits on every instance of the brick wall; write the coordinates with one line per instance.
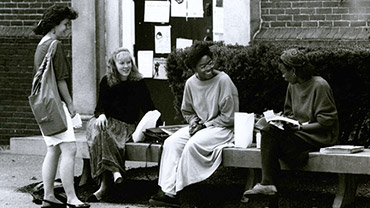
(315, 13)
(17, 47)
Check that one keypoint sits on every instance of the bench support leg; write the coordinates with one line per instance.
(85, 176)
(346, 191)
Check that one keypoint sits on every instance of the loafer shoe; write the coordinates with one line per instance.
(51, 204)
(92, 198)
(84, 205)
(262, 189)
(163, 200)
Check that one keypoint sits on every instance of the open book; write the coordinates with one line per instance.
(342, 149)
(275, 119)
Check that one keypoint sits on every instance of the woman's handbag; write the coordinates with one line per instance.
(45, 100)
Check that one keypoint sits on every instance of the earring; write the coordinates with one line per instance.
(54, 32)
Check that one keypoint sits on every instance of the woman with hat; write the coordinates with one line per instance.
(309, 100)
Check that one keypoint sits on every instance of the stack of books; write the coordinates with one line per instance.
(342, 149)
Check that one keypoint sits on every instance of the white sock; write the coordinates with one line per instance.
(170, 195)
(117, 177)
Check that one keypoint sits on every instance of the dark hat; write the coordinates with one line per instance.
(293, 57)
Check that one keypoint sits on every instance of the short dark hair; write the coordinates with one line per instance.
(297, 59)
(52, 17)
(197, 51)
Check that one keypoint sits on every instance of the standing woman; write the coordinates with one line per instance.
(309, 100)
(122, 96)
(55, 24)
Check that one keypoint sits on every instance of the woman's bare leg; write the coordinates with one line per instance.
(49, 169)
(67, 164)
(103, 186)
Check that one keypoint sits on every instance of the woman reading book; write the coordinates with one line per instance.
(309, 99)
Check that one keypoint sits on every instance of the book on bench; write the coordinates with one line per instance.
(342, 149)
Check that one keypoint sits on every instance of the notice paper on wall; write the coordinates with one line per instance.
(162, 39)
(195, 8)
(183, 43)
(157, 11)
(159, 68)
(145, 63)
(178, 8)
(218, 20)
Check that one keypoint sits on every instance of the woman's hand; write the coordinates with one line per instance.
(71, 109)
(101, 122)
(290, 127)
(195, 127)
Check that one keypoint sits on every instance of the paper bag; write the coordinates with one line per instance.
(243, 129)
(149, 120)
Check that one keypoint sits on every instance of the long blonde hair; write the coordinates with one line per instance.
(112, 73)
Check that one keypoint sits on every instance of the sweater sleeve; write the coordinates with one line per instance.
(187, 105)
(325, 108)
(288, 111)
(146, 101)
(60, 63)
(229, 104)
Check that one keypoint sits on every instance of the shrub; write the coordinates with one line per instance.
(254, 71)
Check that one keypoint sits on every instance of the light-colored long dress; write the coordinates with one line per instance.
(190, 159)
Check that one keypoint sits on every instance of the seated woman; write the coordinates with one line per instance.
(193, 153)
(123, 94)
(309, 99)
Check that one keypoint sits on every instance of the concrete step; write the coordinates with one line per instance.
(35, 145)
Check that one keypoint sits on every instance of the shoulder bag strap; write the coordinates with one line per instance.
(36, 83)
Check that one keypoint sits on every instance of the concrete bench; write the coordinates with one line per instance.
(347, 166)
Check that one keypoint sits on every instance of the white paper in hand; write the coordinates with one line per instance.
(76, 121)
(149, 120)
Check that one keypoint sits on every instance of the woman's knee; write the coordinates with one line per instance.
(68, 148)
(53, 151)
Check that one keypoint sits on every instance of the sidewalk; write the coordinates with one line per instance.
(21, 170)
(222, 190)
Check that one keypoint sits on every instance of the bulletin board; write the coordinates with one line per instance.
(181, 27)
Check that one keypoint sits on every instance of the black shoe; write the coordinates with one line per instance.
(84, 205)
(52, 204)
(163, 200)
(92, 198)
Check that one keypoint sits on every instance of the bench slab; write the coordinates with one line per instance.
(357, 163)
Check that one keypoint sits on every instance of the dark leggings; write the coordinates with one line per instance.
(279, 144)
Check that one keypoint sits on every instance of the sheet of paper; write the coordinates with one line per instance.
(218, 20)
(195, 8)
(76, 121)
(178, 8)
(159, 68)
(157, 11)
(183, 43)
(145, 63)
(162, 39)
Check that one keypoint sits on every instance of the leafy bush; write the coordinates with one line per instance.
(254, 71)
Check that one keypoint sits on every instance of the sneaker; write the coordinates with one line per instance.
(163, 200)
(261, 189)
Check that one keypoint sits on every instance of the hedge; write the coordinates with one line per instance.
(253, 70)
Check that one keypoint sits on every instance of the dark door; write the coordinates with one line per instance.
(191, 28)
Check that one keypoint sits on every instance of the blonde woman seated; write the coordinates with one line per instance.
(122, 96)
